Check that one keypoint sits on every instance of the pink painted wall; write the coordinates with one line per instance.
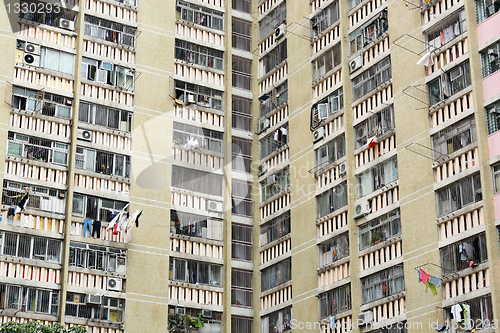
(491, 85)
(488, 29)
(494, 144)
(496, 199)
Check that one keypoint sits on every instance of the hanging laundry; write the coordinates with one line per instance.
(424, 276)
(441, 328)
(372, 141)
(466, 315)
(429, 285)
(16, 209)
(117, 218)
(426, 60)
(456, 311)
(445, 85)
(435, 281)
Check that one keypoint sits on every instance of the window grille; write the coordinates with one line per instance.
(490, 59)
(331, 200)
(369, 32)
(193, 225)
(195, 272)
(382, 174)
(272, 19)
(330, 152)
(41, 198)
(335, 301)
(241, 242)
(379, 230)
(273, 58)
(241, 34)
(109, 30)
(378, 124)
(199, 15)
(449, 83)
(459, 194)
(202, 96)
(276, 274)
(383, 284)
(199, 55)
(278, 321)
(101, 115)
(242, 73)
(38, 149)
(274, 141)
(279, 95)
(326, 62)
(275, 184)
(334, 249)
(458, 256)
(371, 78)
(242, 5)
(324, 19)
(103, 162)
(274, 229)
(110, 309)
(334, 103)
(239, 324)
(29, 299)
(197, 180)
(97, 257)
(96, 208)
(207, 139)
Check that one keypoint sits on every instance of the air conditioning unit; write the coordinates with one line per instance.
(207, 314)
(84, 135)
(318, 134)
(263, 125)
(263, 169)
(271, 179)
(67, 24)
(356, 63)
(361, 209)
(32, 48)
(366, 318)
(280, 31)
(31, 59)
(214, 206)
(180, 310)
(114, 284)
(94, 299)
(342, 169)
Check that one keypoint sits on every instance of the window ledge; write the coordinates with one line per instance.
(327, 30)
(201, 27)
(275, 242)
(199, 286)
(459, 212)
(370, 305)
(440, 104)
(274, 197)
(334, 264)
(275, 289)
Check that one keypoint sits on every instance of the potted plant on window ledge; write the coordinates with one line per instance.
(183, 323)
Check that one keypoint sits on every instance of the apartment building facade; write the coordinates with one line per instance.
(297, 164)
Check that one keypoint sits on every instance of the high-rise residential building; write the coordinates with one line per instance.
(310, 166)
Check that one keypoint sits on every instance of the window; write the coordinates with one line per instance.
(241, 34)
(275, 184)
(486, 9)
(326, 18)
(243, 5)
(277, 97)
(241, 242)
(331, 200)
(102, 258)
(273, 58)
(449, 83)
(354, 3)
(109, 30)
(102, 162)
(202, 96)
(277, 322)
(242, 155)
(335, 301)
(448, 29)
(242, 198)
(29, 299)
(37, 149)
(57, 61)
(377, 177)
(383, 228)
(371, 78)
(207, 139)
(274, 229)
(50, 18)
(108, 73)
(274, 141)
(378, 124)
(327, 107)
(458, 256)
(176, 323)
(199, 55)
(481, 314)
(382, 284)
(43, 102)
(199, 15)
(271, 20)
(326, 62)
(459, 194)
(490, 62)
(41, 198)
(239, 324)
(454, 137)
(101, 115)
(96, 208)
(242, 73)
(330, 152)
(241, 288)
(334, 249)
(30, 247)
(369, 32)
(110, 309)
(493, 117)
(242, 114)
(196, 180)
(195, 272)
(276, 274)
(195, 225)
